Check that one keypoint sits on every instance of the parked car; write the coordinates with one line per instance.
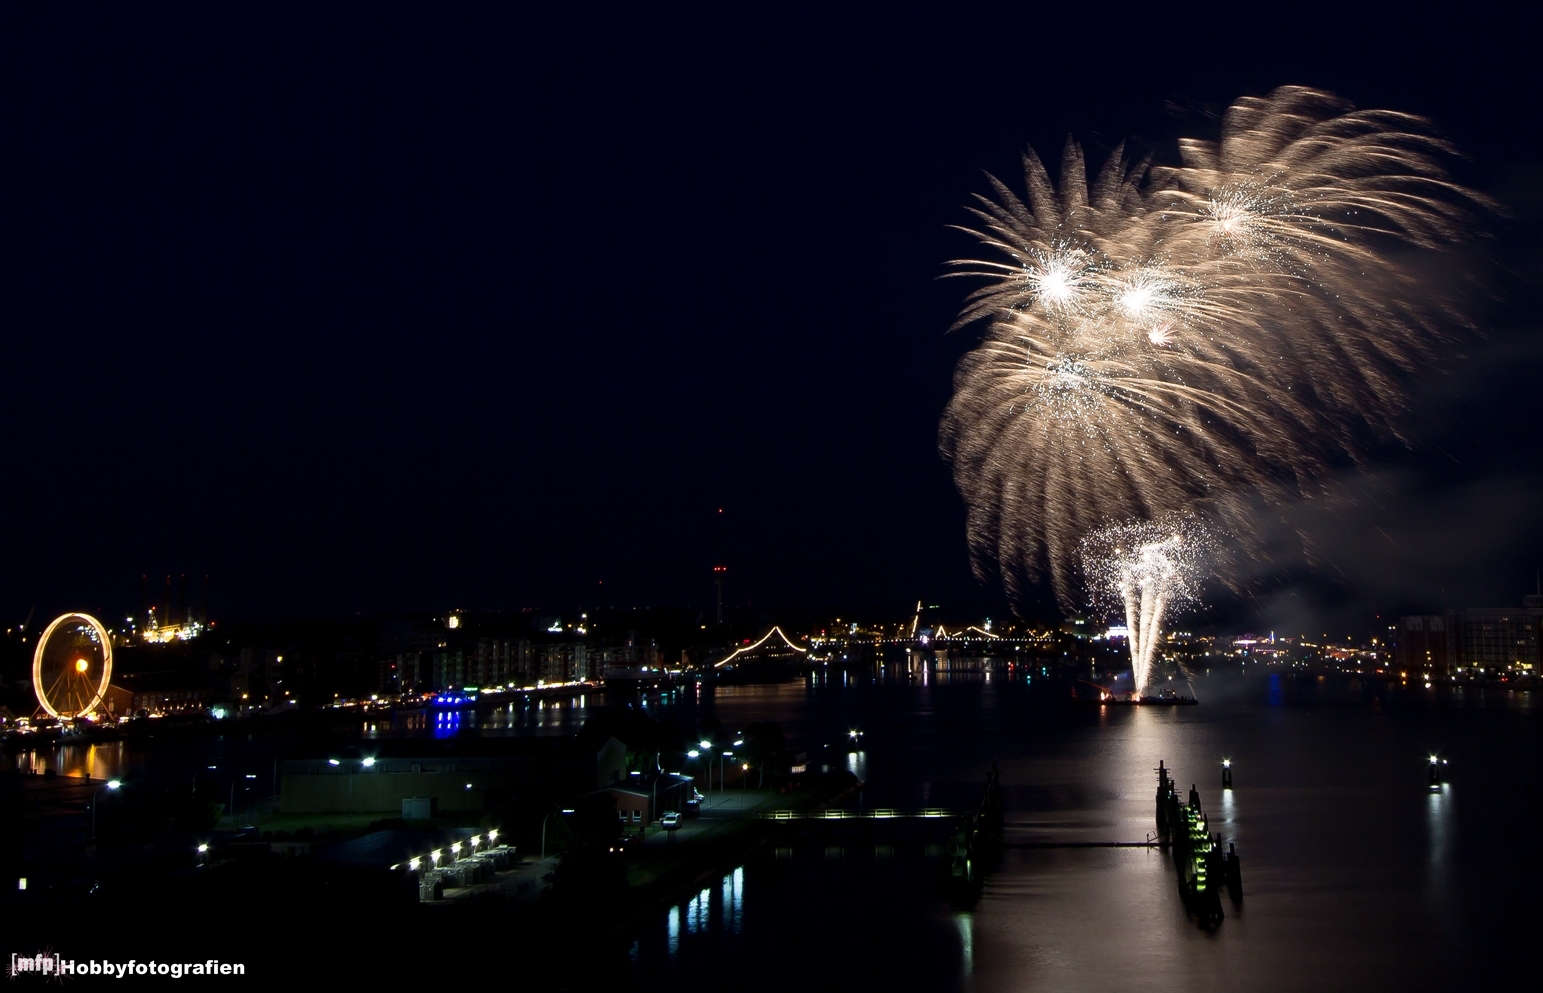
(670, 821)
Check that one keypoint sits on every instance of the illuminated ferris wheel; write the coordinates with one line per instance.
(72, 664)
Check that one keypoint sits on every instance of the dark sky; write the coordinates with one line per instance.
(378, 309)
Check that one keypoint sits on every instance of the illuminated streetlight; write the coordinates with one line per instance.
(111, 784)
(369, 760)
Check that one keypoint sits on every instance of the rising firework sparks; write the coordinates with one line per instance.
(1163, 341)
(1145, 570)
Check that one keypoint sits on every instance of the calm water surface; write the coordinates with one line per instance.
(1357, 876)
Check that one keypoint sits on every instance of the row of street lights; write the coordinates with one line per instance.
(455, 850)
(231, 809)
(706, 746)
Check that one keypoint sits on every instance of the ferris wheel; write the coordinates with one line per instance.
(72, 665)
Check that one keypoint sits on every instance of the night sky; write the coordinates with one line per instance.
(362, 310)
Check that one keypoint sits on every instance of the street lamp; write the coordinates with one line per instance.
(111, 784)
(696, 754)
(195, 777)
(707, 748)
(543, 830)
(232, 809)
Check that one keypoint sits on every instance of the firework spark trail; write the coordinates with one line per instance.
(1172, 340)
(1147, 570)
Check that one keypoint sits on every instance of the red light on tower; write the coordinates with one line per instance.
(720, 572)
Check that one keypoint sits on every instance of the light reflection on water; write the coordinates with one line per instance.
(966, 925)
(90, 761)
(1438, 817)
(712, 911)
(1356, 875)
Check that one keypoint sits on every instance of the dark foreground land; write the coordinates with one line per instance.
(567, 917)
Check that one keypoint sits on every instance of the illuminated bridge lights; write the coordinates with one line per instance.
(764, 638)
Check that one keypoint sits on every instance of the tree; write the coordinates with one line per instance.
(764, 742)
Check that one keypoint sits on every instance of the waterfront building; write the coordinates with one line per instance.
(1501, 639)
(1479, 640)
(449, 670)
(1428, 643)
(501, 662)
(564, 662)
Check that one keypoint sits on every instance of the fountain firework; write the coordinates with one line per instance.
(1146, 570)
(1170, 341)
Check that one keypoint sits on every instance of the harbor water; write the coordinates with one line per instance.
(1357, 874)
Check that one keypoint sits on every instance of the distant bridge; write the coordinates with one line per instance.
(775, 652)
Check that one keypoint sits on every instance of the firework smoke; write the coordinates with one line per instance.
(1168, 341)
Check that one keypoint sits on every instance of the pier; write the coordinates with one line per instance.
(1204, 870)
